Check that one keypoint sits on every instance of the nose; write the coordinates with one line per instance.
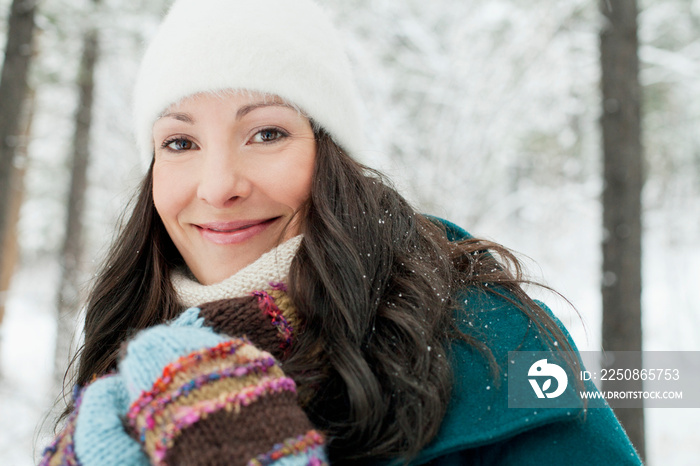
(223, 177)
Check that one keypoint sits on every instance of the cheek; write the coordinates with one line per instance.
(300, 189)
(285, 178)
(297, 178)
(167, 197)
(293, 190)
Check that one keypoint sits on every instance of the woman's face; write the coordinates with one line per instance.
(229, 174)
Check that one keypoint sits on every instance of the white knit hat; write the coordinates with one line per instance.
(287, 48)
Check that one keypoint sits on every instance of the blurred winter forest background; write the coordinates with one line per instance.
(484, 112)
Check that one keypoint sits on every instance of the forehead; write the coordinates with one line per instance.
(238, 98)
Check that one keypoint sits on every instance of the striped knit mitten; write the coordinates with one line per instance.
(266, 317)
(198, 398)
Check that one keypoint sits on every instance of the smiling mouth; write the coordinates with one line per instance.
(230, 230)
(233, 232)
(230, 227)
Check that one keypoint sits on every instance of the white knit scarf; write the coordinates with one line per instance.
(271, 267)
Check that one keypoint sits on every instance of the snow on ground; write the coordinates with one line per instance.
(26, 391)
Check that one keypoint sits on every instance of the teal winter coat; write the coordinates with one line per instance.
(480, 429)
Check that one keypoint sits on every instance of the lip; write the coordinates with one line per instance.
(233, 232)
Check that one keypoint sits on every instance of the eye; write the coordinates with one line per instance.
(178, 144)
(268, 135)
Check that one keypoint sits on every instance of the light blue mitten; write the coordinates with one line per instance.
(100, 437)
(154, 348)
(189, 318)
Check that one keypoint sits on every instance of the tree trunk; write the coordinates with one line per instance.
(10, 250)
(13, 95)
(69, 300)
(623, 179)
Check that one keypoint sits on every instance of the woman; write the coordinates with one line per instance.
(325, 321)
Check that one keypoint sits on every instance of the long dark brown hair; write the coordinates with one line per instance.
(373, 282)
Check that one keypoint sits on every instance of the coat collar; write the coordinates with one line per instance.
(478, 413)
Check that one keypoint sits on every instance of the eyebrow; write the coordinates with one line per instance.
(246, 109)
(243, 111)
(186, 117)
